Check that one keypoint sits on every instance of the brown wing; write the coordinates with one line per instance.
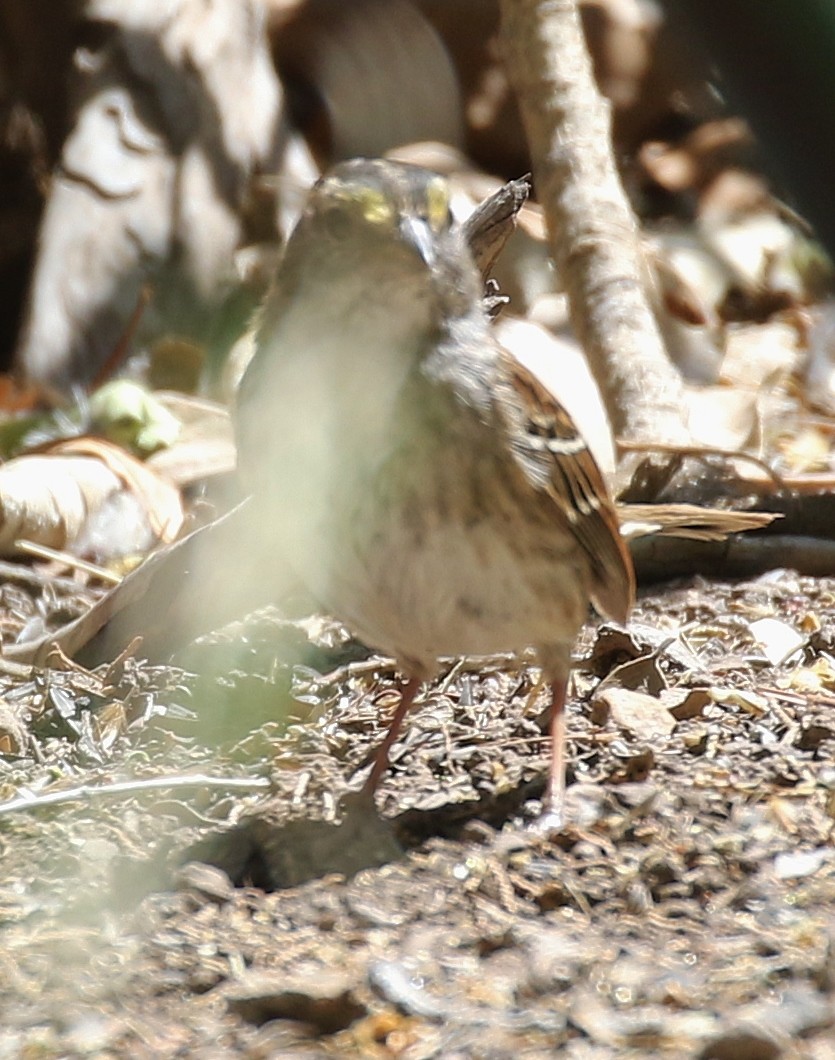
(555, 459)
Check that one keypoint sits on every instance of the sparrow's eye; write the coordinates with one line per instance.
(337, 223)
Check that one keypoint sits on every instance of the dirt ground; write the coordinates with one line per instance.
(172, 881)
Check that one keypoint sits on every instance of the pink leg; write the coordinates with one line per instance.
(381, 759)
(555, 792)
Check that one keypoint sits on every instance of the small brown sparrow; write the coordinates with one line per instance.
(424, 486)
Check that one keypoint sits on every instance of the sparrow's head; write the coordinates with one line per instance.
(384, 222)
(377, 203)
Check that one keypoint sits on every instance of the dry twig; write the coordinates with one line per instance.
(592, 231)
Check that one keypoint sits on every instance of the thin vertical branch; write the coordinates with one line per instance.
(592, 230)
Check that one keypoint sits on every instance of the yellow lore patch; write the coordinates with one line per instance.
(371, 203)
(437, 203)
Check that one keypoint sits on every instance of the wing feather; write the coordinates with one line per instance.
(556, 460)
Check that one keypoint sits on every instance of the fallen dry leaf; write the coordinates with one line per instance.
(161, 501)
(373, 80)
(805, 450)
(723, 417)
(819, 677)
(750, 702)
(16, 396)
(71, 494)
(683, 703)
(755, 354)
(14, 735)
(696, 160)
(777, 640)
(643, 715)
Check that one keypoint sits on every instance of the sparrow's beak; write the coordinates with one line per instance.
(417, 233)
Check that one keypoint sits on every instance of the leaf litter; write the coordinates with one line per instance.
(688, 905)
